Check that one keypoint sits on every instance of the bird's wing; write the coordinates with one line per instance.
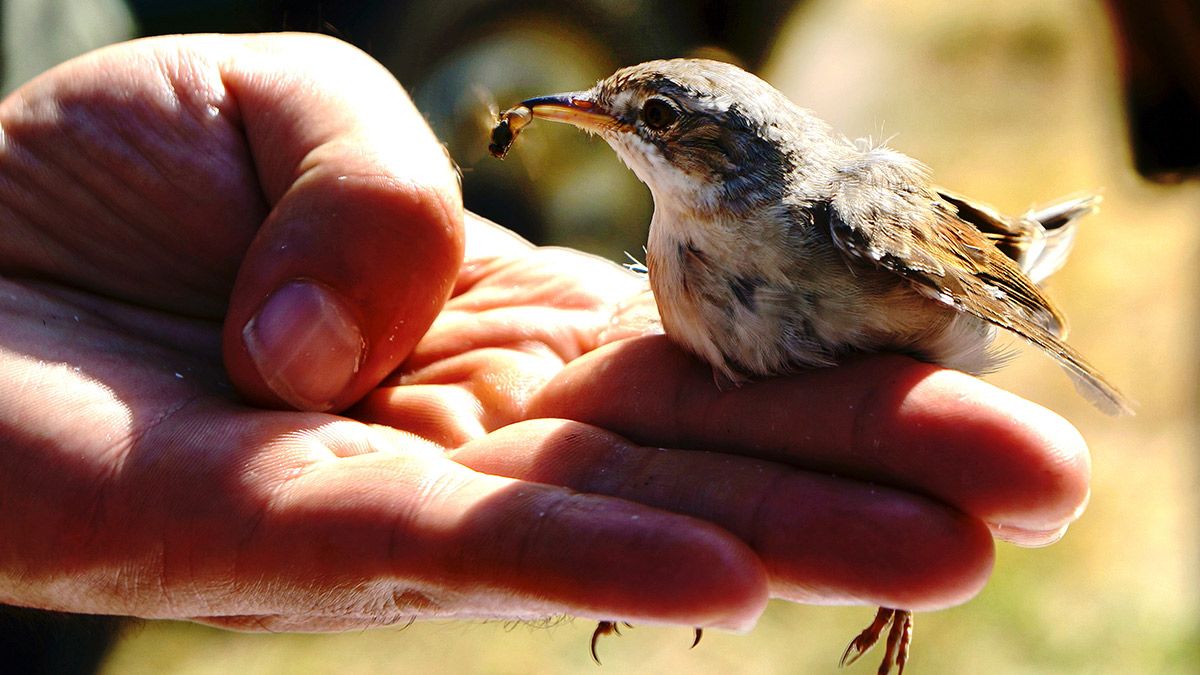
(1012, 236)
(883, 212)
(1038, 241)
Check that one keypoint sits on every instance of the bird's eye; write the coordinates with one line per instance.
(658, 114)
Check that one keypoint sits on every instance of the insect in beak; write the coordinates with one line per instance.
(574, 108)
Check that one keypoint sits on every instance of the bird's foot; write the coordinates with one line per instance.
(898, 641)
(614, 628)
(604, 628)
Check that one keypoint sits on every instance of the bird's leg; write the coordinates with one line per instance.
(898, 641)
(867, 638)
(613, 628)
(900, 637)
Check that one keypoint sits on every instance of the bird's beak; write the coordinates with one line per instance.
(576, 108)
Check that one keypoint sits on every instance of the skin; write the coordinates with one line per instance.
(536, 452)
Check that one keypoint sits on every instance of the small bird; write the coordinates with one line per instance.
(778, 244)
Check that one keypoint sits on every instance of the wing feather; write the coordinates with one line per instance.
(883, 212)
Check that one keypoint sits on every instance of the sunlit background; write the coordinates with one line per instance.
(1013, 103)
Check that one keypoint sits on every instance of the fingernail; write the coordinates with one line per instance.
(305, 344)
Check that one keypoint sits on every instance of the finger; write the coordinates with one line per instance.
(447, 416)
(364, 238)
(889, 420)
(331, 538)
(823, 539)
(486, 240)
(523, 550)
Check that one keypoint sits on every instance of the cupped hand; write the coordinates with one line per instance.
(201, 229)
(881, 481)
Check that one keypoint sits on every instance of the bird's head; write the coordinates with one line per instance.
(697, 132)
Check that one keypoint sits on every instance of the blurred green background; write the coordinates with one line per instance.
(1014, 103)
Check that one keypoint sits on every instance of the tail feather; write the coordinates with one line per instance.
(1092, 386)
(1100, 394)
(1058, 224)
(1038, 242)
(1088, 381)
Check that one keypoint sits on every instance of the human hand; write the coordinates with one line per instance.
(882, 480)
(157, 192)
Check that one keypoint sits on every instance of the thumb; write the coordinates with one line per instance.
(364, 238)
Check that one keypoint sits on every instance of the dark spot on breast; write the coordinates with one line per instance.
(689, 258)
(743, 289)
(689, 254)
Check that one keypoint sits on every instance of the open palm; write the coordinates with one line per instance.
(204, 234)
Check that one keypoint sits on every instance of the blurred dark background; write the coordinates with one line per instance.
(459, 57)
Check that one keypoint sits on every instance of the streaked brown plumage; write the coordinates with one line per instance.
(777, 244)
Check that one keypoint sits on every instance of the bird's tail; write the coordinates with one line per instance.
(1092, 385)
(1038, 241)
(1058, 223)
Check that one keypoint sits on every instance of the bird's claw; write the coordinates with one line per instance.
(898, 641)
(613, 628)
(603, 628)
(867, 638)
